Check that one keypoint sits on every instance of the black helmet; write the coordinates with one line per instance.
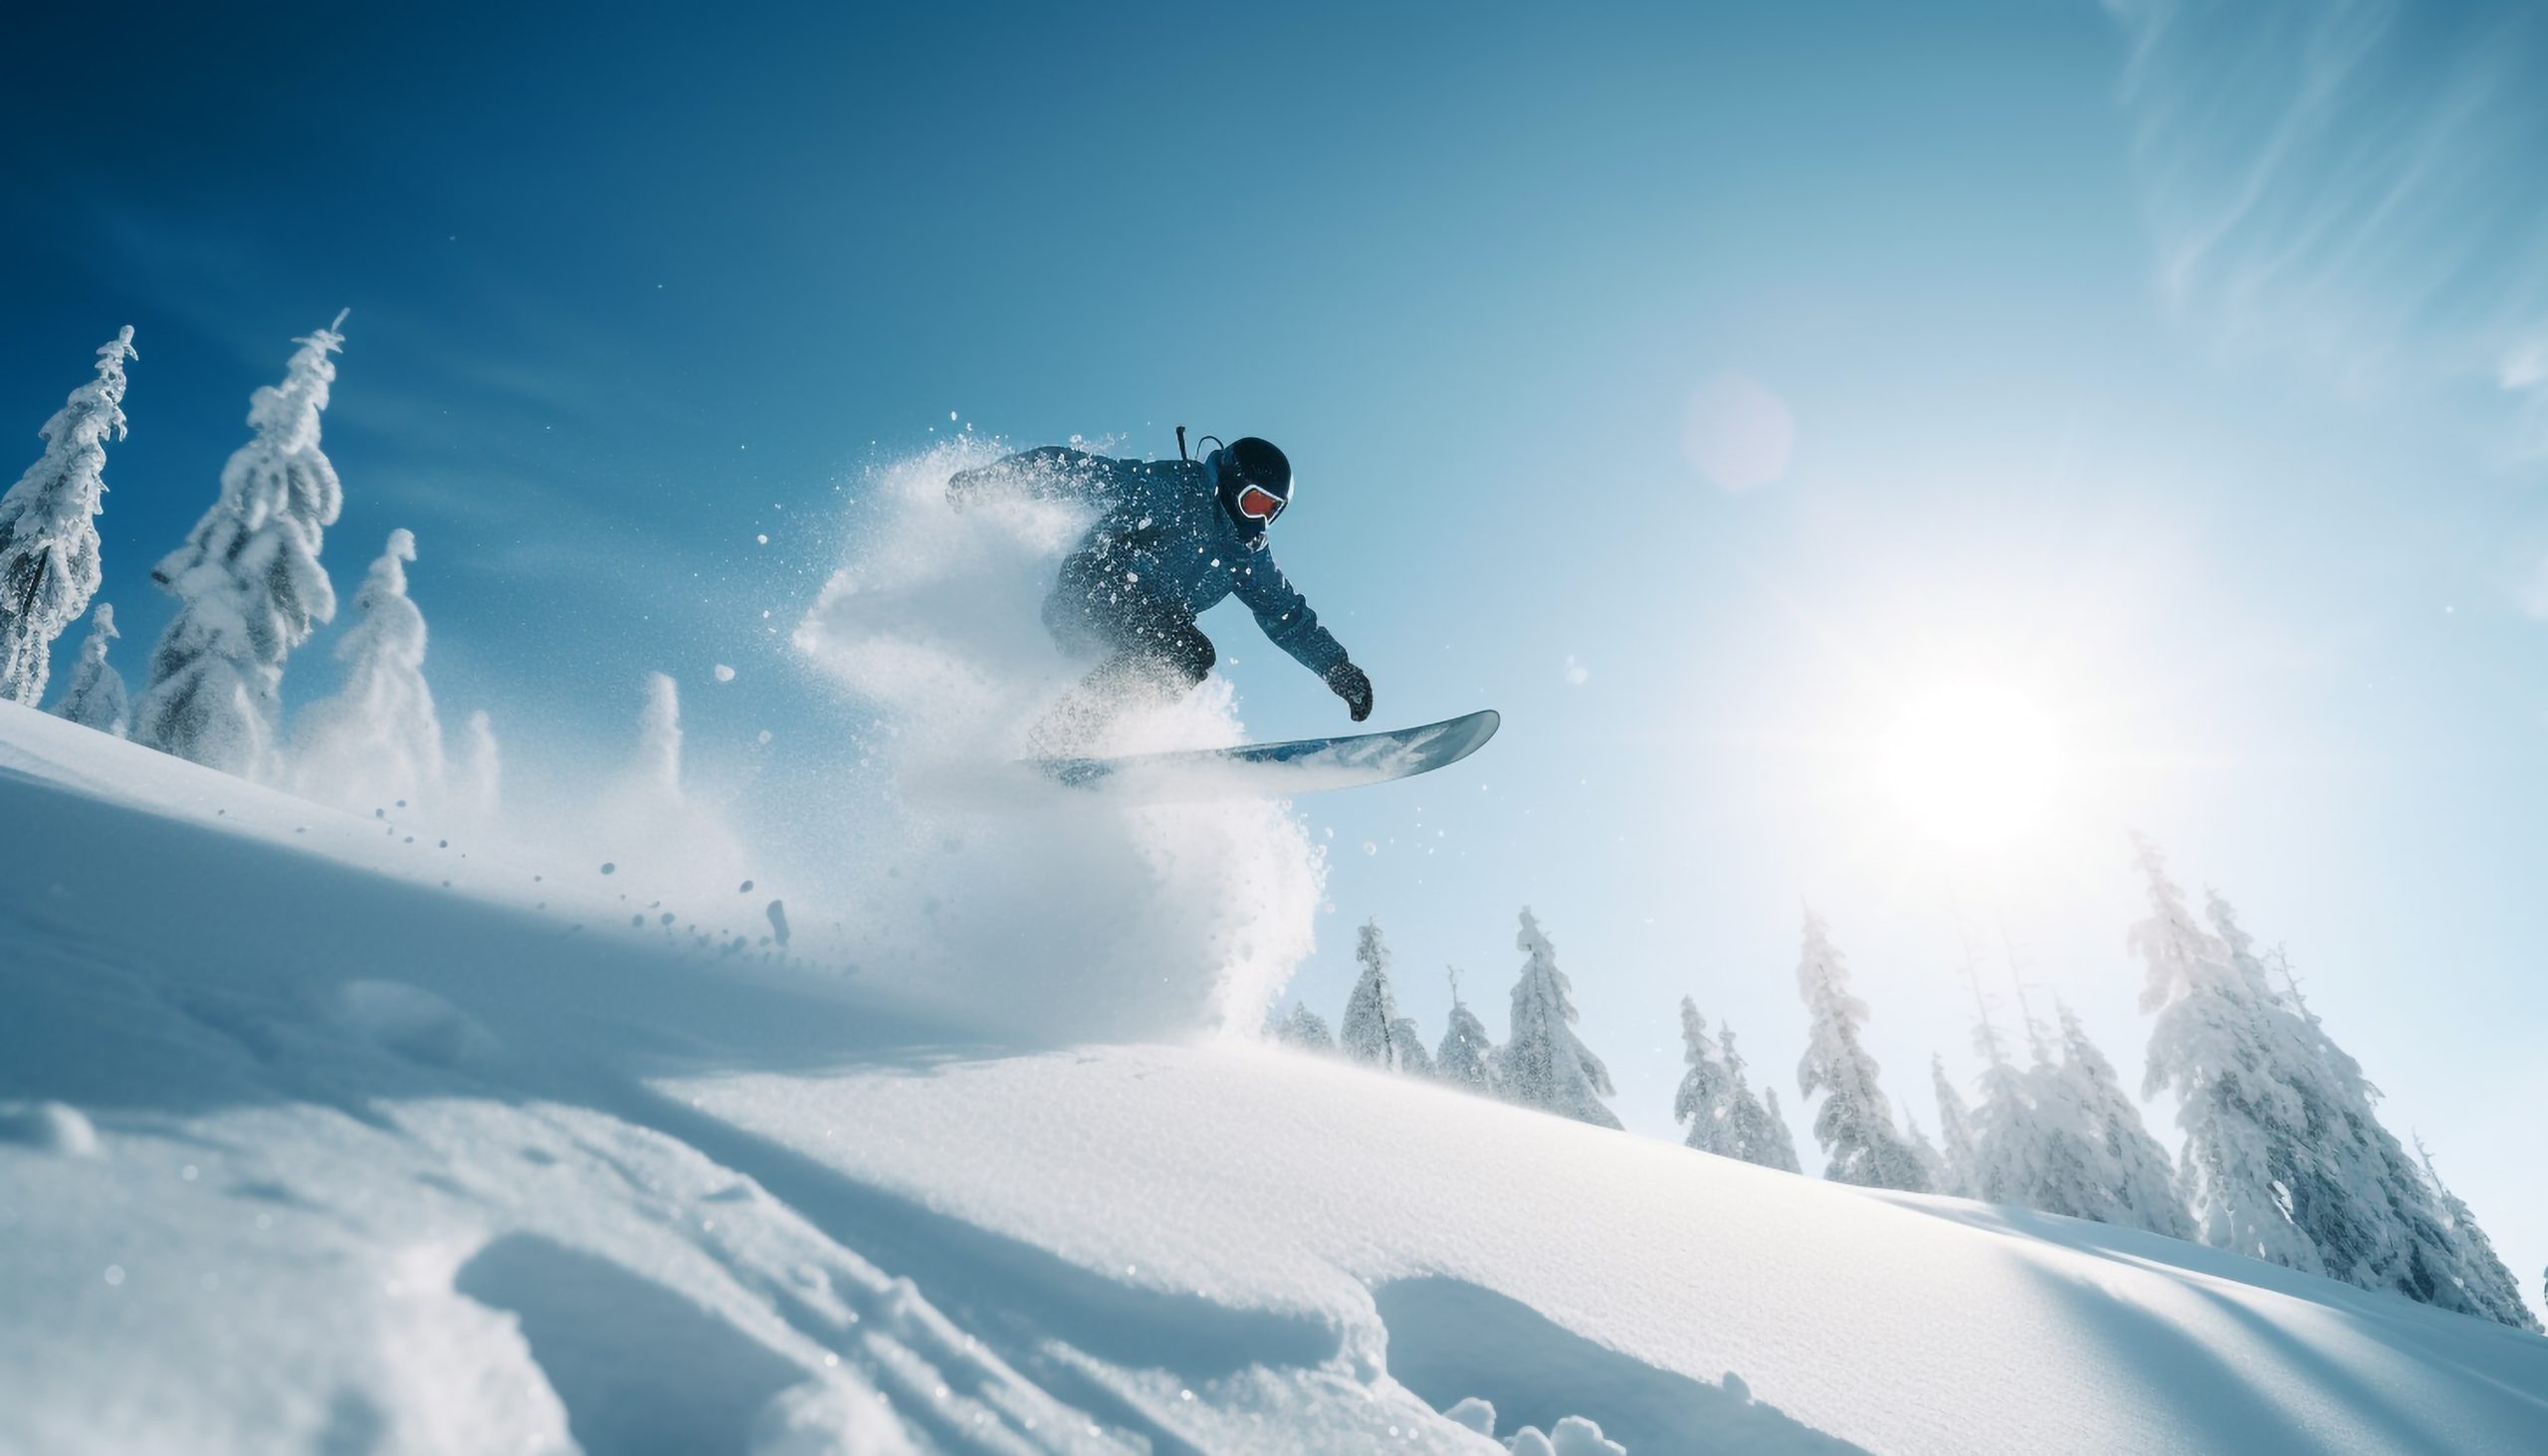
(1253, 479)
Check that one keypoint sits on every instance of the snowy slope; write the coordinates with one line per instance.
(305, 1150)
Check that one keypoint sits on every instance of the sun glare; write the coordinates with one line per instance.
(1972, 764)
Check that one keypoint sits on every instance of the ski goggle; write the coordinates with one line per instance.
(1260, 504)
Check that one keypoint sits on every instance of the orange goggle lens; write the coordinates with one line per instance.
(1260, 504)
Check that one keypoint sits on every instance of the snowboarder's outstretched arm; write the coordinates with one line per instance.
(1047, 471)
(1289, 624)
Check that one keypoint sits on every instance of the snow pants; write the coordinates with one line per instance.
(1142, 643)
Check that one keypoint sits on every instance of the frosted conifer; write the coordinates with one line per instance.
(1854, 1124)
(1467, 1057)
(1368, 1031)
(1779, 1149)
(476, 774)
(1932, 1161)
(1756, 1130)
(95, 696)
(248, 582)
(1306, 1029)
(377, 740)
(2285, 1157)
(1706, 1096)
(2143, 1183)
(1408, 1044)
(48, 526)
(1955, 1132)
(1545, 1065)
(2246, 1125)
(2495, 1283)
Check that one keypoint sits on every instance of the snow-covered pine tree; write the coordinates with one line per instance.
(1854, 1124)
(48, 526)
(1306, 1029)
(377, 741)
(248, 582)
(2370, 1210)
(2143, 1183)
(2035, 1143)
(1408, 1043)
(1467, 1057)
(1932, 1161)
(2284, 1159)
(2012, 1147)
(653, 767)
(477, 778)
(1368, 1032)
(1955, 1131)
(1706, 1096)
(1756, 1131)
(1545, 1065)
(2245, 1127)
(2478, 1252)
(1779, 1149)
(95, 696)
(2357, 1197)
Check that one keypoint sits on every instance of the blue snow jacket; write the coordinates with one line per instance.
(1161, 538)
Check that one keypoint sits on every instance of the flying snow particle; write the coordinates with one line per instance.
(725, 674)
(1370, 848)
(763, 539)
(1576, 674)
(764, 737)
(609, 868)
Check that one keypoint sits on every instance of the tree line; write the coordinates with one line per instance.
(2282, 1159)
(249, 589)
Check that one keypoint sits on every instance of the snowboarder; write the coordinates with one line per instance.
(1174, 539)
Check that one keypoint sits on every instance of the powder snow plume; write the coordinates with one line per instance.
(994, 895)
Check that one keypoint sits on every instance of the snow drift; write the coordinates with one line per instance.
(313, 1138)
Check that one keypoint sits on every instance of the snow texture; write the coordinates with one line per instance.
(95, 696)
(248, 582)
(386, 1165)
(49, 566)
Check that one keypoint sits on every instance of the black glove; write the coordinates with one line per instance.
(1352, 685)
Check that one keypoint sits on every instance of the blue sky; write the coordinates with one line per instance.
(2187, 370)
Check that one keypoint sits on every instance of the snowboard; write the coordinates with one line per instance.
(1280, 771)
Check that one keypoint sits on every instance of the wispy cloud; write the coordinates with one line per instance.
(2353, 186)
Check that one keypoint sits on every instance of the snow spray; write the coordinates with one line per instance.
(989, 894)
